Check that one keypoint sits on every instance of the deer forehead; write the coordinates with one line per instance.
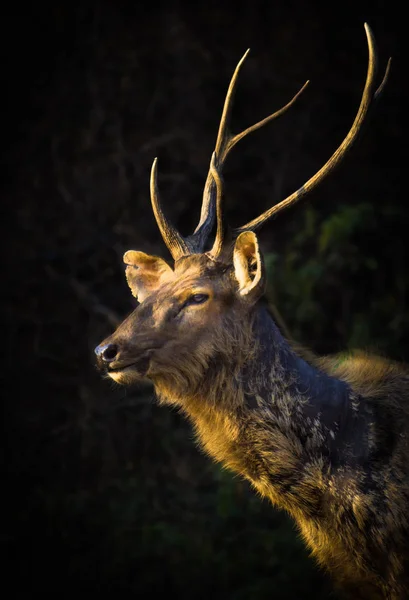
(200, 265)
(197, 273)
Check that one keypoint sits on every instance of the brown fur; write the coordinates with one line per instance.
(323, 438)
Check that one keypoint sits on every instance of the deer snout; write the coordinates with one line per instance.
(106, 353)
(122, 363)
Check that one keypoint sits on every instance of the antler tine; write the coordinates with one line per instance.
(224, 143)
(172, 238)
(218, 242)
(368, 95)
(207, 214)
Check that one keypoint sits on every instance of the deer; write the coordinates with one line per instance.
(325, 440)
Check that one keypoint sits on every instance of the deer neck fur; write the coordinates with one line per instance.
(276, 419)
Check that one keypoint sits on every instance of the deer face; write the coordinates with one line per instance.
(181, 320)
(187, 314)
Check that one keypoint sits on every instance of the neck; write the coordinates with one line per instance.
(290, 386)
(275, 418)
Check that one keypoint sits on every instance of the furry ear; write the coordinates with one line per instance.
(144, 273)
(249, 266)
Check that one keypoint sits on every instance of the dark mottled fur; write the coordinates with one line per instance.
(326, 439)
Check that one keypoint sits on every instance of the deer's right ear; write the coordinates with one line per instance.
(249, 266)
(145, 273)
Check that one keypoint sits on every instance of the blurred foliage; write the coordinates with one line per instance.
(333, 245)
(106, 491)
(187, 528)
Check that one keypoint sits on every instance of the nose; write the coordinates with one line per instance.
(107, 352)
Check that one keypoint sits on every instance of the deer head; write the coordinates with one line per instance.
(202, 308)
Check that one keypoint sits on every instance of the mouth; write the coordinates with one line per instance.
(118, 369)
(138, 367)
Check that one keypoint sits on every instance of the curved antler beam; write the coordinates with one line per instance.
(172, 238)
(369, 94)
(218, 242)
(224, 143)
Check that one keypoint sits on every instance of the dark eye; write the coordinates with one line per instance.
(197, 299)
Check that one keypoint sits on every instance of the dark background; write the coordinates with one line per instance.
(105, 491)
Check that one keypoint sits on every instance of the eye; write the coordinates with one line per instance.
(197, 299)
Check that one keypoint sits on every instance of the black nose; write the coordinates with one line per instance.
(107, 352)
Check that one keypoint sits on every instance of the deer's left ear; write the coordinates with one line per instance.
(249, 266)
(144, 273)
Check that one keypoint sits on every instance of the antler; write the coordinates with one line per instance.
(212, 195)
(213, 191)
(224, 143)
(369, 94)
(172, 238)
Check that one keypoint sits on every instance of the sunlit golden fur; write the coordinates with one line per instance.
(323, 438)
(370, 375)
